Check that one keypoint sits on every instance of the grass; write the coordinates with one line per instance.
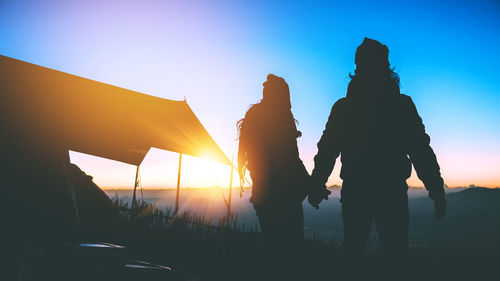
(222, 250)
(149, 216)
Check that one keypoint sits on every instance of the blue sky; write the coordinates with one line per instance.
(217, 54)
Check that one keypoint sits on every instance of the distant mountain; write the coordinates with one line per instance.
(473, 214)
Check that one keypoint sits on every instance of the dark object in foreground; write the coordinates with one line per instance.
(90, 261)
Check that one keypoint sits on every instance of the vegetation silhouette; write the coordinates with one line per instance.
(235, 254)
(379, 135)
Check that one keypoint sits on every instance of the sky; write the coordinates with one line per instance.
(217, 54)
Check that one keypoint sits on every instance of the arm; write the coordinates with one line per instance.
(421, 154)
(242, 154)
(299, 164)
(424, 160)
(328, 151)
(328, 146)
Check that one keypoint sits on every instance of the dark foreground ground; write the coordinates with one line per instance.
(241, 257)
(463, 246)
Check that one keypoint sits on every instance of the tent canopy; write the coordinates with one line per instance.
(79, 114)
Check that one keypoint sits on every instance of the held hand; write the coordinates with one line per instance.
(439, 204)
(317, 196)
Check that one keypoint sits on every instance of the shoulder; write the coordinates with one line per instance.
(405, 98)
(252, 116)
(252, 111)
(339, 105)
(338, 108)
(406, 102)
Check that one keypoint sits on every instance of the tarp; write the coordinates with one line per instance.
(79, 114)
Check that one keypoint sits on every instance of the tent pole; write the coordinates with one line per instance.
(134, 199)
(230, 190)
(178, 185)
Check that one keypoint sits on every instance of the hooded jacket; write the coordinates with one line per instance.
(379, 135)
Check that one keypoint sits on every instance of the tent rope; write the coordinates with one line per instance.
(218, 186)
(139, 184)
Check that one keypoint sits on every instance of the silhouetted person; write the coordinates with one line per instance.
(268, 149)
(379, 135)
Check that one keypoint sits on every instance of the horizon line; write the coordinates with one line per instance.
(246, 187)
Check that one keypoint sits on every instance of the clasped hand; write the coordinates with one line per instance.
(317, 195)
(439, 204)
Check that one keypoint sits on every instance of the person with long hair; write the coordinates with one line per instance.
(379, 135)
(268, 149)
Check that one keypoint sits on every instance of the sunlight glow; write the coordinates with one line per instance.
(218, 54)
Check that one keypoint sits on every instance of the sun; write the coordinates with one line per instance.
(203, 172)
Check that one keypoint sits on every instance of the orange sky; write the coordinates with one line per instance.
(157, 171)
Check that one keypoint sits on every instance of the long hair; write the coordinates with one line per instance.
(275, 101)
(388, 72)
(239, 123)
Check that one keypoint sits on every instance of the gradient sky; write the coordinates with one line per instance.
(218, 54)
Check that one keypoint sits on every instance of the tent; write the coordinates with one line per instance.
(79, 114)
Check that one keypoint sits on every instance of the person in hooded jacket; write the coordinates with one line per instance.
(379, 135)
(268, 149)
